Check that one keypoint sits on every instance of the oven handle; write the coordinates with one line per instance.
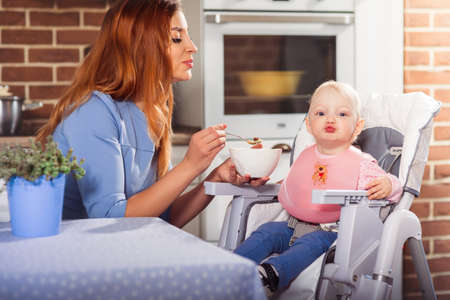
(287, 17)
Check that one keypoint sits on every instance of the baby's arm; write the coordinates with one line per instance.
(378, 183)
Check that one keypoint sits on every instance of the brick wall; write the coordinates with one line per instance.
(427, 69)
(41, 43)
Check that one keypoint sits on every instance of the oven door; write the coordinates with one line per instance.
(261, 68)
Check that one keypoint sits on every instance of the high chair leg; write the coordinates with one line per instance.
(237, 220)
(421, 266)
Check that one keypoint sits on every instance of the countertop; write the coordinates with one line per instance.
(181, 136)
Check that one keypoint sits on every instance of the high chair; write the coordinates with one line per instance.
(365, 262)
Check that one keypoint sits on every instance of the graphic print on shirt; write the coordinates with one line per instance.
(320, 174)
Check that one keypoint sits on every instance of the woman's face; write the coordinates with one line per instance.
(181, 49)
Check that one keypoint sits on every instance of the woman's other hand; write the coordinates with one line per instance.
(379, 188)
(226, 172)
(204, 146)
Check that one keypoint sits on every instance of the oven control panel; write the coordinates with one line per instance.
(281, 5)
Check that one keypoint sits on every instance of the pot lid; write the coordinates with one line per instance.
(11, 98)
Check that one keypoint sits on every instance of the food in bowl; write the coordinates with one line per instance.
(254, 141)
(255, 162)
(270, 83)
(257, 146)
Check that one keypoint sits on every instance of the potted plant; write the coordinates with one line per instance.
(35, 179)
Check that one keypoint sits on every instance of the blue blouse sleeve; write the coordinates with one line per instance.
(93, 132)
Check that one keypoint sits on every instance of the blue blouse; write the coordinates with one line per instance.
(120, 158)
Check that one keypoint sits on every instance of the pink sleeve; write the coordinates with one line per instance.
(369, 170)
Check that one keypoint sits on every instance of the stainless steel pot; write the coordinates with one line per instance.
(11, 108)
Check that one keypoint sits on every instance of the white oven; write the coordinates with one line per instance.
(263, 66)
(261, 60)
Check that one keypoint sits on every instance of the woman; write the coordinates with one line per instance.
(117, 115)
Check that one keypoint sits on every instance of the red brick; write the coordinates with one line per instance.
(416, 58)
(26, 74)
(410, 285)
(442, 209)
(442, 58)
(426, 173)
(442, 20)
(28, 3)
(408, 266)
(12, 18)
(427, 4)
(54, 55)
(441, 133)
(426, 77)
(43, 112)
(81, 3)
(435, 228)
(442, 95)
(93, 18)
(65, 73)
(443, 296)
(26, 36)
(435, 190)
(416, 20)
(444, 115)
(11, 55)
(422, 210)
(441, 171)
(423, 90)
(76, 36)
(442, 246)
(39, 18)
(428, 39)
(439, 152)
(17, 90)
(441, 282)
(47, 91)
(412, 297)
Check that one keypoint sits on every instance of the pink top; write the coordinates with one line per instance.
(348, 170)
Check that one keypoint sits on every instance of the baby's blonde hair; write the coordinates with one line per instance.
(345, 90)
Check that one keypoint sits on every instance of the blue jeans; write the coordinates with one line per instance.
(273, 237)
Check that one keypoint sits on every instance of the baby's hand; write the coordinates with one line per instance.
(379, 188)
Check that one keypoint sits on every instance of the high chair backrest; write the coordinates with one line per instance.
(397, 133)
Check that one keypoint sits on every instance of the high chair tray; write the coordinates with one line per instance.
(343, 197)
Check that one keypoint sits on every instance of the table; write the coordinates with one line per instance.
(126, 258)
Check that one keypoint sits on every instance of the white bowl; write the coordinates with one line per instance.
(256, 162)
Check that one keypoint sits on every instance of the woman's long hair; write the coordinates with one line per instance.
(129, 61)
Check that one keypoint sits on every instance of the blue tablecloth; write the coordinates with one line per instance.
(127, 258)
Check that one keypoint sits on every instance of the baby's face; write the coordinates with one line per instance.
(332, 118)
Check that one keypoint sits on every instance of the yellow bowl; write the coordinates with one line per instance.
(270, 83)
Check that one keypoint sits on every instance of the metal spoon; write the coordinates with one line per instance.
(254, 141)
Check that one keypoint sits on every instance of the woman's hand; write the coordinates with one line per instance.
(226, 172)
(379, 188)
(204, 146)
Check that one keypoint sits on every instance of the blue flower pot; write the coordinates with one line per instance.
(35, 207)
